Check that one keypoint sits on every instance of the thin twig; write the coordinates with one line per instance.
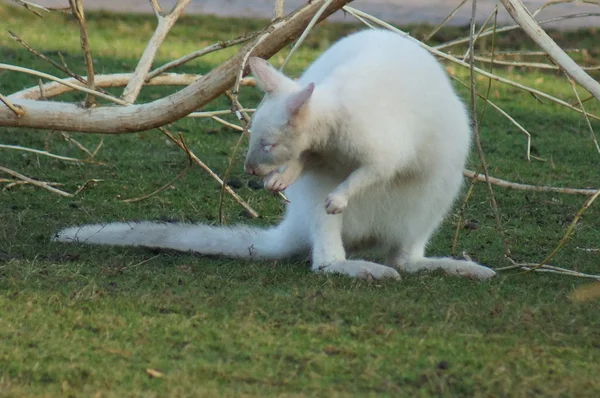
(217, 113)
(52, 89)
(226, 123)
(30, 7)
(495, 12)
(528, 267)
(200, 163)
(46, 153)
(477, 137)
(74, 86)
(227, 171)
(527, 187)
(441, 24)
(45, 58)
(587, 119)
(37, 183)
(307, 30)
(567, 234)
(86, 185)
(68, 138)
(95, 151)
(17, 111)
(186, 58)
(15, 183)
(503, 113)
(537, 65)
(167, 185)
(77, 10)
(503, 29)
(489, 87)
(526, 53)
(461, 216)
(466, 65)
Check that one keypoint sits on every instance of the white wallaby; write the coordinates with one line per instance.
(369, 146)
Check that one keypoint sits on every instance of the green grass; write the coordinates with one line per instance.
(89, 321)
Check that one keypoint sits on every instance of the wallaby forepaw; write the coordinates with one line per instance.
(275, 182)
(335, 204)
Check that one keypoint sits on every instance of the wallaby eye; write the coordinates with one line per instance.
(268, 148)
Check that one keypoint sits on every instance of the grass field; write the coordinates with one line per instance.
(108, 322)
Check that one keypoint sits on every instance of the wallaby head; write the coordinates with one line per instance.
(279, 124)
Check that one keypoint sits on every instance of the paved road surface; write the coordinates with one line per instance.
(394, 11)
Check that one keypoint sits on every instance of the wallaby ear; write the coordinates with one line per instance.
(299, 99)
(269, 79)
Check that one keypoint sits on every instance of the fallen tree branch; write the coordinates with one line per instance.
(51, 115)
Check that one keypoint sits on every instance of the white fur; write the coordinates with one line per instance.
(369, 143)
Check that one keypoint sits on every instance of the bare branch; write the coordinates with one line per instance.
(77, 9)
(165, 23)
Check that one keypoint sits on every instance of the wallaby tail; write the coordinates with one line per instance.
(235, 242)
